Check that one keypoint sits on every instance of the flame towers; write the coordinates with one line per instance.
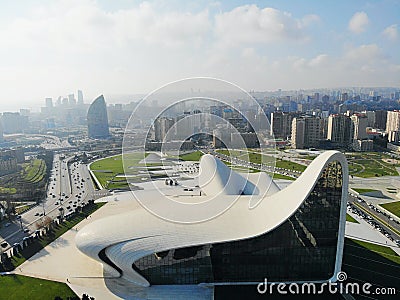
(97, 119)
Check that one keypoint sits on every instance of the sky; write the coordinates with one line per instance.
(53, 48)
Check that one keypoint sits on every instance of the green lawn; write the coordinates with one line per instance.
(16, 287)
(289, 165)
(35, 170)
(393, 207)
(280, 176)
(21, 209)
(4, 190)
(370, 164)
(386, 252)
(193, 156)
(350, 219)
(363, 191)
(108, 168)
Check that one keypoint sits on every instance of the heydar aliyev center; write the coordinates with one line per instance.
(291, 235)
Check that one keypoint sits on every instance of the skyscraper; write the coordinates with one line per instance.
(393, 121)
(306, 132)
(380, 119)
(340, 129)
(97, 119)
(80, 97)
(360, 122)
(1, 131)
(49, 102)
(71, 100)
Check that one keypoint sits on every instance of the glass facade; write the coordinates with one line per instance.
(303, 248)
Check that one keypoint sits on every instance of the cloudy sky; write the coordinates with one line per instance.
(52, 48)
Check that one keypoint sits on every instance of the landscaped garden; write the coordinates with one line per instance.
(370, 164)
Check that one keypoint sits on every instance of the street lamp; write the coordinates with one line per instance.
(20, 221)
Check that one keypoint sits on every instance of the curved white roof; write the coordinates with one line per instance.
(217, 178)
(130, 236)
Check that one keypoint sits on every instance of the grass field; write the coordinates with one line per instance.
(193, 156)
(393, 207)
(289, 165)
(108, 168)
(370, 164)
(35, 170)
(350, 219)
(363, 191)
(16, 287)
(280, 176)
(21, 209)
(4, 190)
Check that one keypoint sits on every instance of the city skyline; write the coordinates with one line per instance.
(53, 48)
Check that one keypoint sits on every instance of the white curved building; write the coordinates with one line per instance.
(290, 235)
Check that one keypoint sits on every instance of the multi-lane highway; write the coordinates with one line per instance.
(376, 218)
(68, 187)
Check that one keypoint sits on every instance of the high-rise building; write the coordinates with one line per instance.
(161, 127)
(281, 124)
(80, 97)
(64, 102)
(343, 97)
(380, 119)
(71, 100)
(13, 122)
(360, 122)
(1, 130)
(340, 129)
(393, 121)
(49, 102)
(307, 132)
(371, 117)
(97, 119)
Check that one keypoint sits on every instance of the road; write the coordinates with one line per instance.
(68, 186)
(390, 225)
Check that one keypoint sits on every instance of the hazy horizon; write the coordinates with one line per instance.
(54, 48)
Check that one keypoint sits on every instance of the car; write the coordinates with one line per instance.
(7, 224)
(26, 230)
(36, 214)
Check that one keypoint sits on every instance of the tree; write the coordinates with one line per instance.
(47, 222)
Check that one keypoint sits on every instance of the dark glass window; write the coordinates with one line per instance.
(302, 248)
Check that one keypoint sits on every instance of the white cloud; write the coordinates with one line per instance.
(319, 61)
(84, 26)
(251, 24)
(358, 22)
(391, 32)
(366, 53)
